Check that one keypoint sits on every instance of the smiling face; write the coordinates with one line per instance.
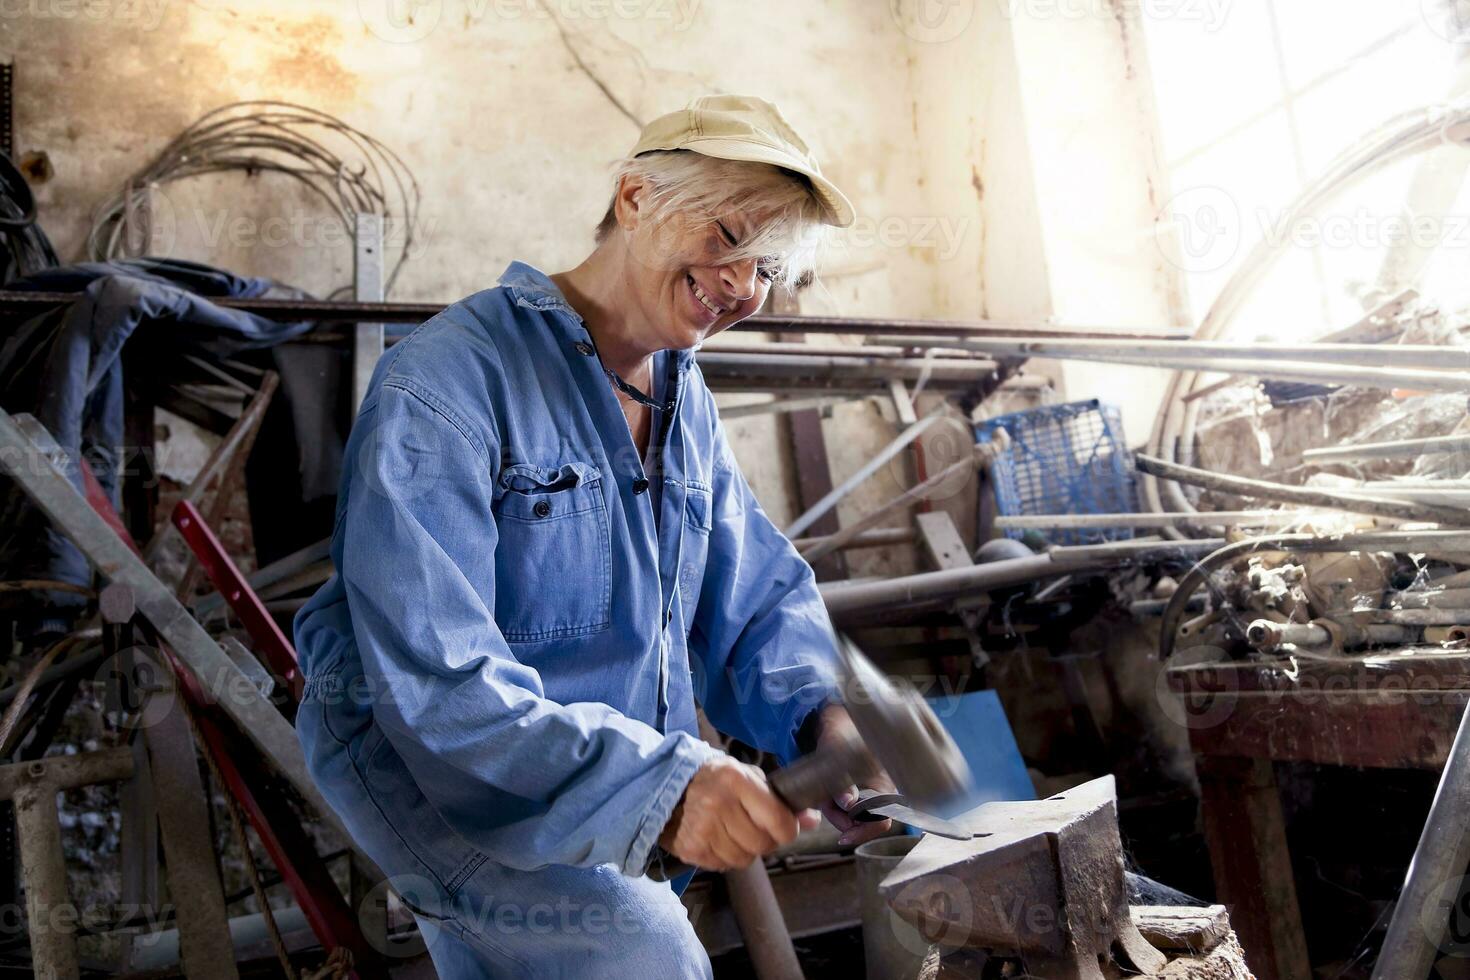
(702, 241)
(684, 272)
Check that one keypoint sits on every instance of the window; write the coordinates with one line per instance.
(1254, 104)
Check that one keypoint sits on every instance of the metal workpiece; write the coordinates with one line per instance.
(32, 787)
(904, 736)
(1043, 880)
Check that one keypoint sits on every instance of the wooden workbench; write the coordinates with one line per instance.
(1395, 710)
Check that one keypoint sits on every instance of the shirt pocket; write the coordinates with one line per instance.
(694, 548)
(552, 561)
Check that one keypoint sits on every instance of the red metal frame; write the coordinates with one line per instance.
(232, 584)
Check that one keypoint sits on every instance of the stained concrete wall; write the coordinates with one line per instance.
(948, 125)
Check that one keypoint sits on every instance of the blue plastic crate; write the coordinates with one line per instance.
(1064, 459)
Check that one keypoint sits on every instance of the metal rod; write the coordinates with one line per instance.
(1430, 357)
(846, 600)
(856, 387)
(877, 537)
(1267, 635)
(716, 365)
(1261, 489)
(1389, 450)
(983, 455)
(782, 406)
(1426, 616)
(1448, 374)
(1430, 598)
(757, 347)
(815, 512)
(1218, 518)
(1414, 937)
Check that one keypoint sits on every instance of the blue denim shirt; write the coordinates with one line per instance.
(521, 643)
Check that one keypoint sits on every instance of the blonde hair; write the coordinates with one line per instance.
(686, 182)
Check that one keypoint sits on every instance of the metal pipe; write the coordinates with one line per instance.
(1414, 937)
(1389, 450)
(1218, 518)
(848, 599)
(1262, 489)
(908, 435)
(1429, 616)
(1265, 634)
(759, 347)
(853, 387)
(716, 365)
(877, 537)
(1429, 357)
(1429, 598)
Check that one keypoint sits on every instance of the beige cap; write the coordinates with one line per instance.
(742, 127)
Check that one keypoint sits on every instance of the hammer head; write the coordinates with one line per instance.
(901, 731)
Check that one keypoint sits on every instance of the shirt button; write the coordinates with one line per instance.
(582, 347)
(640, 485)
(542, 508)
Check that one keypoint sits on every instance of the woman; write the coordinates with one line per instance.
(546, 556)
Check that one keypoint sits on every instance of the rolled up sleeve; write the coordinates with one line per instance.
(761, 632)
(525, 779)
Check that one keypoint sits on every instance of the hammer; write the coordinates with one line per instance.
(896, 731)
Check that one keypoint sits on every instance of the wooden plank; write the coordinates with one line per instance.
(1366, 729)
(809, 455)
(1246, 834)
(942, 541)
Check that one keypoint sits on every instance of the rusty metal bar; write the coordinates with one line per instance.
(32, 787)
